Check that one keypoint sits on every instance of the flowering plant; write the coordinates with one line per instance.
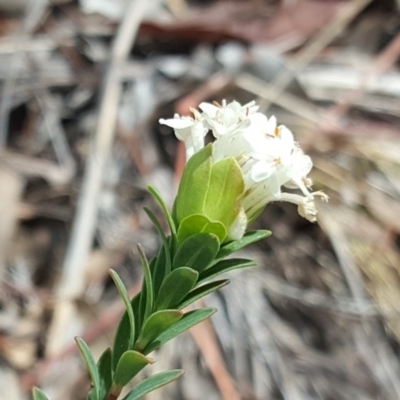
(245, 168)
(224, 187)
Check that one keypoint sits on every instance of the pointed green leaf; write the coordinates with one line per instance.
(152, 264)
(202, 291)
(147, 295)
(136, 312)
(173, 245)
(197, 252)
(225, 188)
(121, 340)
(186, 322)
(142, 305)
(104, 365)
(159, 270)
(164, 239)
(194, 185)
(157, 196)
(198, 223)
(155, 325)
(91, 365)
(248, 238)
(130, 364)
(127, 301)
(225, 266)
(91, 395)
(175, 287)
(153, 382)
(38, 394)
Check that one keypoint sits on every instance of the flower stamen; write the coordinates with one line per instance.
(217, 104)
(307, 181)
(196, 114)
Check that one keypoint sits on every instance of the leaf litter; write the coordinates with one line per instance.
(83, 92)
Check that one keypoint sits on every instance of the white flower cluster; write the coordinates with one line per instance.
(267, 154)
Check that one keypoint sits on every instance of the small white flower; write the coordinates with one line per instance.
(275, 160)
(261, 125)
(226, 118)
(190, 130)
(268, 155)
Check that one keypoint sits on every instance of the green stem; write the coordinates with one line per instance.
(115, 391)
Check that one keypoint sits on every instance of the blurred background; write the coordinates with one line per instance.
(82, 86)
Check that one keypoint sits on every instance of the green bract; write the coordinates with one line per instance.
(208, 195)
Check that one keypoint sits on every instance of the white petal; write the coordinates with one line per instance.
(271, 126)
(177, 123)
(235, 107)
(286, 135)
(238, 228)
(209, 109)
(261, 170)
(258, 121)
(301, 167)
(197, 133)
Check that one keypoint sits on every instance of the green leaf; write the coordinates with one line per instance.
(104, 365)
(91, 395)
(142, 305)
(198, 223)
(157, 196)
(225, 188)
(197, 252)
(136, 311)
(91, 365)
(152, 264)
(130, 364)
(164, 239)
(194, 184)
(186, 322)
(147, 295)
(248, 238)
(155, 325)
(153, 382)
(121, 340)
(225, 266)
(159, 271)
(176, 286)
(127, 301)
(38, 394)
(173, 245)
(202, 291)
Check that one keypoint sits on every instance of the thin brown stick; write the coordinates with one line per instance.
(204, 336)
(34, 12)
(345, 15)
(382, 62)
(72, 280)
(380, 359)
